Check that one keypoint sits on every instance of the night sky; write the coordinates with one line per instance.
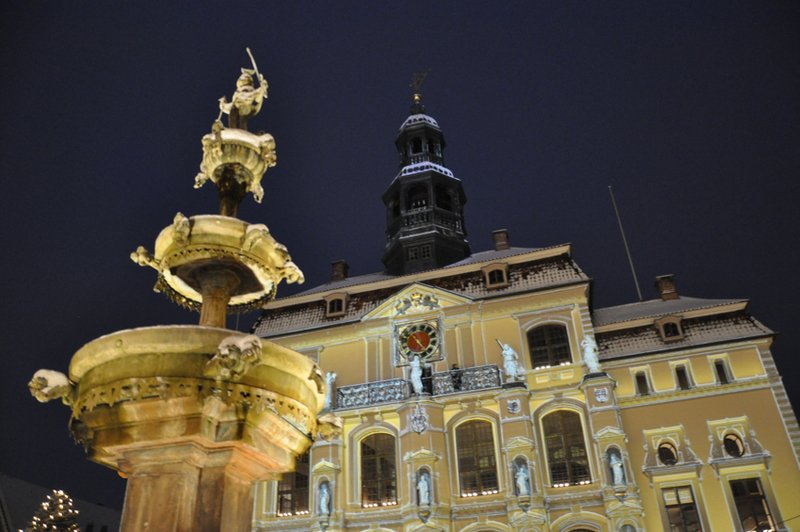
(691, 110)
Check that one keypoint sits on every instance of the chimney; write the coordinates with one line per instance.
(665, 284)
(500, 238)
(339, 270)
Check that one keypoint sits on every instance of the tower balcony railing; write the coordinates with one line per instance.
(398, 390)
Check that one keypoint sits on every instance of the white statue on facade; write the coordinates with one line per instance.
(416, 375)
(617, 469)
(522, 481)
(424, 489)
(330, 379)
(324, 498)
(590, 354)
(510, 362)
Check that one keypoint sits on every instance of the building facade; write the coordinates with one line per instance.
(484, 391)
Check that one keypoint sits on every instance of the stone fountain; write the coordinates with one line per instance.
(192, 416)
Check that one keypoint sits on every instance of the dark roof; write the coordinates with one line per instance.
(697, 331)
(654, 308)
(475, 258)
(523, 277)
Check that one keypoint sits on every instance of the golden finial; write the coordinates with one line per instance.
(417, 79)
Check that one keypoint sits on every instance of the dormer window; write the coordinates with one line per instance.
(495, 276)
(670, 328)
(335, 305)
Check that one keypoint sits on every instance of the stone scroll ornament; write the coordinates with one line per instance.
(418, 419)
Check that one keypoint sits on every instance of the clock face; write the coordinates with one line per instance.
(420, 339)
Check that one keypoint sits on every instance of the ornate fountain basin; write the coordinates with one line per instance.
(203, 241)
(205, 386)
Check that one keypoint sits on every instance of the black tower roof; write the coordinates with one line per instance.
(425, 201)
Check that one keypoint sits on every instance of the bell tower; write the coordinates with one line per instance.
(424, 202)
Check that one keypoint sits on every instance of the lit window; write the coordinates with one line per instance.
(667, 454)
(733, 445)
(549, 346)
(751, 505)
(682, 377)
(566, 452)
(477, 470)
(722, 371)
(642, 386)
(378, 471)
(682, 514)
(293, 490)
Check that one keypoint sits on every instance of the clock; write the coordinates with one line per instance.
(420, 339)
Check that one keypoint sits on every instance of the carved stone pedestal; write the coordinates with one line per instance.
(189, 487)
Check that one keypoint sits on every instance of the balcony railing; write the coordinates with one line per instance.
(396, 390)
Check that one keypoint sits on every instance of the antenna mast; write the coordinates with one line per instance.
(625, 242)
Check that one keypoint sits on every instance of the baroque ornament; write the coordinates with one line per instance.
(418, 419)
(235, 356)
(513, 406)
(416, 302)
(601, 395)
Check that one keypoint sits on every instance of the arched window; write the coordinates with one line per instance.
(417, 196)
(378, 471)
(734, 446)
(293, 490)
(477, 469)
(549, 345)
(566, 452)
(667, 454)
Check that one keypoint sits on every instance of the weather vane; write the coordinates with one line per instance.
(417, 79)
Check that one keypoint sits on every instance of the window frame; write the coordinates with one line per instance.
(490, 269)
(567, 445)
(549, 346)
(381, 480)
(665, 508)
(330, 299)
(477, 471)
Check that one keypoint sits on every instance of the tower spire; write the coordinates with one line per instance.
(425, 201)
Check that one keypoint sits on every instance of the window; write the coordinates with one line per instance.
(425, 251)
(417, 196)
(549, 346)
(682, 377)
(667, 454)
(335, 305)
(477, 470)
(751, 505)
(670, 328)
(416, 145)
(681, 509)
(642, 386)
(722, 371)
(566, 452)
(495, 275)
(378, 471)
(293, 490)
(733, 445)
(444, 198)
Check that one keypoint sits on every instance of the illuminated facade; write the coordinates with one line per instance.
(484, 391)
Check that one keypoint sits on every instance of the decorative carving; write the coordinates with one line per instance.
(601, 395)
(617, 468)
(510, 362)
(513, 406)
(324, 499)
(142, 257)
(590, 357)
(522, 479)
(235, 356)
(416, 375)
(424, 488)
(416, 303)
(330, 380)
(475, 378)
(329, 426)
(371, 393)
(48, 384)
(418, 419)
(181, 228)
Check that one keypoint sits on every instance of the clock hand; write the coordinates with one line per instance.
(412, 337)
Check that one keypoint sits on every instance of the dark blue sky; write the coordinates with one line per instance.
(689, 109)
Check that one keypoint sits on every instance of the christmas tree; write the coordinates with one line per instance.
(55, 513)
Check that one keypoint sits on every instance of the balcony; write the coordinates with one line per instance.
(437, 384)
